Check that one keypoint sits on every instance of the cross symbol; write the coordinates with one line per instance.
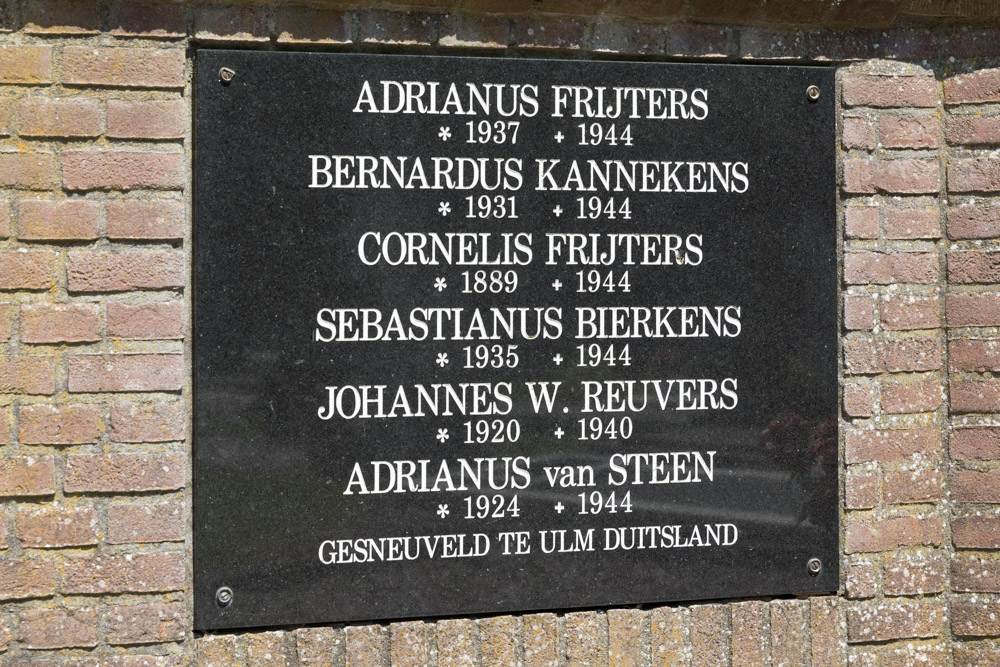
(560, 507)
(557, 284)
(559, 137)
(558, 359)
(557, 210)
(559, 433)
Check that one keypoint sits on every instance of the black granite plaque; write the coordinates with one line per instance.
(479, 335)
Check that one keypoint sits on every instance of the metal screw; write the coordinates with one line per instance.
(812, 92)
(224, 596)
(226, 75)
(814, 565)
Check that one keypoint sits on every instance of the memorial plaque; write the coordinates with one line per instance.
(480, 335)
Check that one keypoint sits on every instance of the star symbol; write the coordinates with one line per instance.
(558, 359)
(557, 210)
(442, 434)
(559, 137)
(559, 433)
(444, 208)
(443, 511)
(560, 507)
(557, 285)
(442, 359)
(445, 133)
(440, 284)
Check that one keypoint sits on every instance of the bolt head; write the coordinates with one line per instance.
(812, 92)
(814, 565)
(226, 75)
(224, 596)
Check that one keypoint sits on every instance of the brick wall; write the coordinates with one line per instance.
(95, 146)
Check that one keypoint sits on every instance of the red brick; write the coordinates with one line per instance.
(891, 445)
(973, 221)
(156, 119)
(49, 527)
(122, 170)
(789, 632)
(7, 311)
(909, 132)
(62, 17)
(866, 354)
(22, 63)
(911, 397)
(860, 489)
(548, 33)
(541, 640)
(861, 222)
(886, 268)
(60, 322)
(861, 580)
(155, 21)
(147, 321)
(50, 117)
(974, 266)
(148, 422)
(230, 24)
(27, 270)
(124, 472)
(29, 578)
(973, 88)
(27, 375)
(125, 67)
(388, 27)
(975, 618)
(976, 656)
(28, 170)
(911, 486)
(58, 220)
(4, 439)
(709, 634)
(912, 223)
(58, 424)
(27, 476)
(973, 310)
(882, 621)
(631, 38)
(857, 400)
(132, 573)
(4, 211)
(980, 174)
(751, 632)
(301, 25)
(880, 13)
(581, 636)
(901, 313)
(858, 311)
(976, 532)
(974, 355)
(845, 44)
(140, 523)
(137, 219)
(907, 576)
(909, 44)
(968, 42)
(63, 627)
(771, 43)
(99, 271)
(876, 90)
(827, 639)
(975, 486)
(409, 644)
(903, 176)
(975, 574)
(146, 623)
(972, 130)
(319, 647)
(699, 41)
(975, 396)
(975, 442)
(126, 372)
(859, 133)
(869, 535)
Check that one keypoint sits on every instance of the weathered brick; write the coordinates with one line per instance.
(976, 532)
(63, 627)
(125, 67)
(824, 619)
(50, 527)
(861, 580)
(860, 489)
(667, 637)
(408, 645)
(319, 647)
(365, 644)
(99, 271)
(889, 91)
(975, 656)
(973, 310)
(466, 31)
(645, 8)
(130, 523)
(879, 13)
(909, 132)
(398, 28)
(974, 221)
(27, 476)
(858, 311)
(978, 174)
(148, 422)
(857, 400)
(53, 117)
(27, 270)
(699, 41)
(866, 535)
(541, 640)
(60, 323)
(27, 375)
(62, 17)
(973, 88)
(975, 486)
(58, 220)
(789, 632)
(23, 63)
(975, 354)
(299, 25)
(868, 622)
(885, 268)
(974, 266)
(455, 642)
(751, 634)
(878, 355)
(58, 424)
(632, 38)
(131, 573)
(972, 130)
(266, 649)
(911, 397)
(722, 10)
(911, 223)
(122, 170)
(975, 574)
(5, 207)
(109, 473)
(130, 660)
(230, 24)
(903, 176)
(221, 650)
(29, 578)
(150, 21)
(861, 222)
(624, 638)
(146, 623)
(911, 486)
(549, 33)
(581, 637)
(28, 170)
(709, 634)
(146, 321)
(975, 618)
(900, 313)
(138, 219)
(907, 576)
(975, 442)
(975, 396)
(891, 445)
(150, 119)
(859, 133)
(126, 372)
